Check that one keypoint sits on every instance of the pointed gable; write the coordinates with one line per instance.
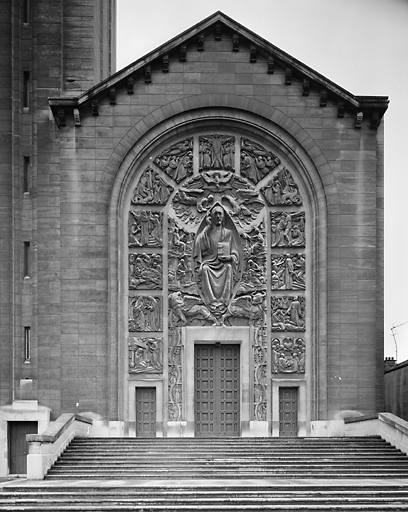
(223, 48)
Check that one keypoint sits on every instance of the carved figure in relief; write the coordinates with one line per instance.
(260, 375)
(288, 313)
(177, 160)
(180, 270)
(288, 272)
(217, 257)
(151, 189)
(145, 313)
(145, 355)
(287, 229)
(145, 229)
(216, 152)
(247, 310)
(288, 355)
(256, 161)
(282, 190)
(254, 250)
(145, 271)
(201, 193)
(188, 310)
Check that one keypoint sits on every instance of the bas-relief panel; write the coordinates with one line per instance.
(256, 161)
(288, 313)
(282, 190)
(145, 313)
(288, 355)
(145, 229)
(217, 255)
(145, 355)
(177, 160)
(288, 271)
(145, 271)
(288, 229)
(151, 189)
(216, 151)
(260, 355)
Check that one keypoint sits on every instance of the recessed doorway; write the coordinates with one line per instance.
(145, 412)
(288, 411)
(217, 390)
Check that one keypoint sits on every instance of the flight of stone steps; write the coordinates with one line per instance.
(170, 458)
(219, 475)
(221, 498)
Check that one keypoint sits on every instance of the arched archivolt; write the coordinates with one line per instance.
(139, 155)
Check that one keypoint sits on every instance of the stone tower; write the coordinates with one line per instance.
(48, 48)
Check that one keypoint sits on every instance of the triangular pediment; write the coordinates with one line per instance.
(223, 28)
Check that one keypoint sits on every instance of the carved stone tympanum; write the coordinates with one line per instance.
(145, 313)
(256, 161)
(177, 160)
(145, 229)
(145, 355)
(217, 151)
(288, 313)
(288, 271)
(288, 355)
(145, 272)
(282, 190)
(151, 189)
(288, 229)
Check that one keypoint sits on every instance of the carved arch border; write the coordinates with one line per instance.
(271, 124)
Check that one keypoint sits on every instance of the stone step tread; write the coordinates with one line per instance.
(154, 493)
(204, 500)
(382, 507)
(124, 475)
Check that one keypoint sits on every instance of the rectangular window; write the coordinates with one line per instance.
(27, 344)
(26, 10)
(26, 89)
(26, 171)
(26, 259)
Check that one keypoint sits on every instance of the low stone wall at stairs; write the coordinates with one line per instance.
(45, 448)
(384, 424)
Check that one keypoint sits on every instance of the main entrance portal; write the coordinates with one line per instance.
(216, 390)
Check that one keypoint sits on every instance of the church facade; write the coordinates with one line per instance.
(193, 245)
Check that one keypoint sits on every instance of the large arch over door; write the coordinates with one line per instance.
(273, 137)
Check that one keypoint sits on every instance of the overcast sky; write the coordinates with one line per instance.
(361, 45)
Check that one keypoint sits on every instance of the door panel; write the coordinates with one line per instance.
(18, 446)
(288, 412)
(217, 390)
(145, 412)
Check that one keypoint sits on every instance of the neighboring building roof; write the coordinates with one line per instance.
(373, 106)
(397, 367)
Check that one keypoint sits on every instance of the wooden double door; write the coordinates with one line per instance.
(217, 390)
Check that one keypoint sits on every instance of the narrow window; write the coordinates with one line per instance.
(26, 259)
(27, 344)
(26, 89)
(26, 10)
(26, 171)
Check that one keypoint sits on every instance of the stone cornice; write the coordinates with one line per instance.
(372, 106)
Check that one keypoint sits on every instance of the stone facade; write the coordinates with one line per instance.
(104, 248)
